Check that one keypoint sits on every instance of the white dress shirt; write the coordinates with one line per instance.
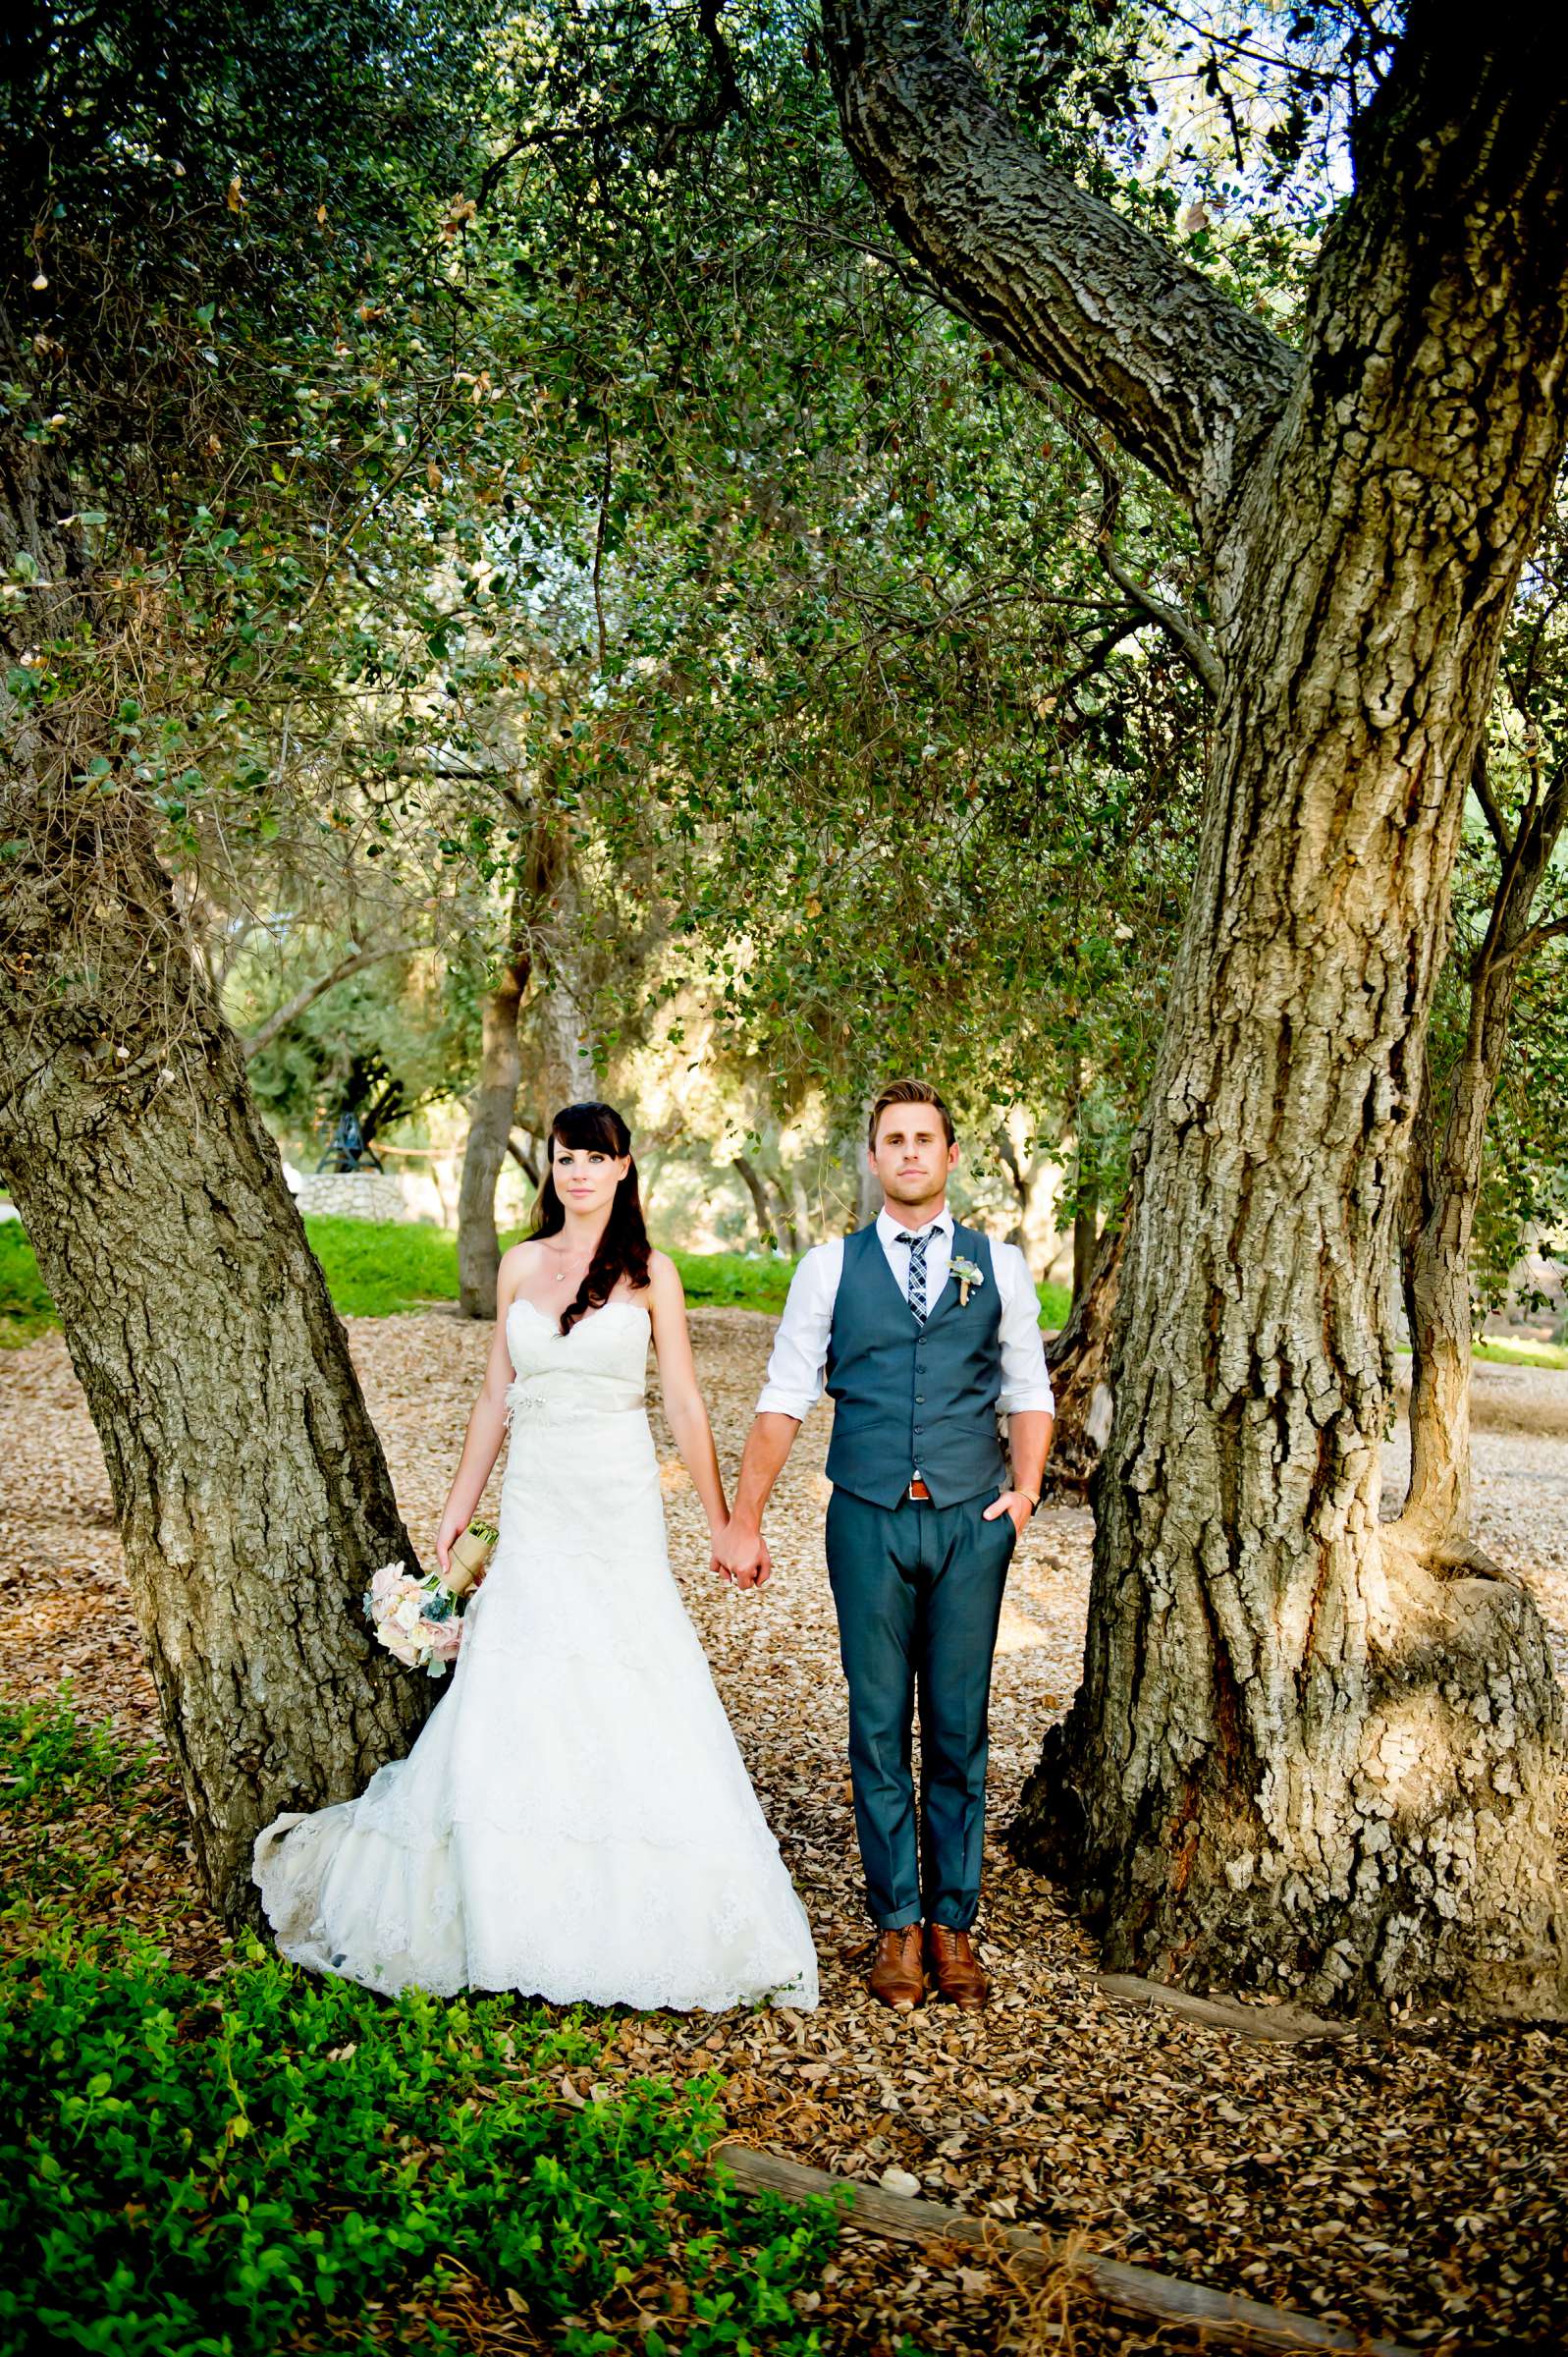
(800, 1360)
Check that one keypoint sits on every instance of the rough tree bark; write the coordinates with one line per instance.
(1443, 1188)
(572, 1076)
(252, 1496)
(1302, 1752)
(868, 1186)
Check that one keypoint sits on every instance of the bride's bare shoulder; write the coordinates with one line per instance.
(664, 1288)
(517, 1262)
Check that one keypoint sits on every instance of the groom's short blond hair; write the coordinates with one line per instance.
(909, 1092)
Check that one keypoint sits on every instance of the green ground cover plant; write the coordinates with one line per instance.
(255, 2162)
(1512, 1353)
(734, 1280)
(266, 2161)
(376, 1269)
(1524, 1354)
(70, 1796)
(26, 1308)
(1055, 1302)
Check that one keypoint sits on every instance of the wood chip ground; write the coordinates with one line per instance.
(1412, 2187)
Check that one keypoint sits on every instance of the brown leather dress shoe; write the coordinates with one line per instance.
(955, 1968)
(897, 1977)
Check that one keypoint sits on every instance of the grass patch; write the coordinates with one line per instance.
(1523, 1355)
(26, 1308)
(1510, 1354)
(375, 1269)
(1055, 1306)
(255, 2162)
(734, 1280)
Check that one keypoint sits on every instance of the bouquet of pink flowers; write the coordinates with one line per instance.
(416, 1615)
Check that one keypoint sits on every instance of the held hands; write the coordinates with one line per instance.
(741, 1554)
(1015, 1503)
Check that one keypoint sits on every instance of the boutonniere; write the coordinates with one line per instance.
(964, 1274)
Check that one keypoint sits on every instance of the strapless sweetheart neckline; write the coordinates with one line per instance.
(543, 1315)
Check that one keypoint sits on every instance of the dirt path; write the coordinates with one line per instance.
(1416, 2188)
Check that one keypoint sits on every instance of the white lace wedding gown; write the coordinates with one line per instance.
(575, 1821)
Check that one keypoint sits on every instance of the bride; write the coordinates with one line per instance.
(575, 1821)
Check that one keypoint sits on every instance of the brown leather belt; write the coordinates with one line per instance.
(919, 1492)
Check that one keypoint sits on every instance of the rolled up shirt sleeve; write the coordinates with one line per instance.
(1025, 1380)
(800, 1356)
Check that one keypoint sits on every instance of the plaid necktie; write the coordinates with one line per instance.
(917, 1269)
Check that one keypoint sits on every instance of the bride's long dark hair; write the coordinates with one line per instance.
(623, 1247)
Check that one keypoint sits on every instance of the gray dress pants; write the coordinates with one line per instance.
(918, 1591)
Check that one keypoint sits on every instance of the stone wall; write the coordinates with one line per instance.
(351, 1194)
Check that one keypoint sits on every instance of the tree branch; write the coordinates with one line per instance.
(724, 99)
(599, 545)
(1480, 787)
(1179, 627)
(293, 1009)
(1183, 633)
(1188, 383)
(1098, 655)
(1528, 943)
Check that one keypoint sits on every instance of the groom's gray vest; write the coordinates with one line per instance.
(909, 1394)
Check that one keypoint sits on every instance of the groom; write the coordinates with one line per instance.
(922, 1329)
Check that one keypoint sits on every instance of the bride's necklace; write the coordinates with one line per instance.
(563, 1274)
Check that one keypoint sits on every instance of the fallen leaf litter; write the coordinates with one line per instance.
(1412, 2187)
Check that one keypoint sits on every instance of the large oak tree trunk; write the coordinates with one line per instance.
(1302, 1752)
(252, 1496)
(251, 1492)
